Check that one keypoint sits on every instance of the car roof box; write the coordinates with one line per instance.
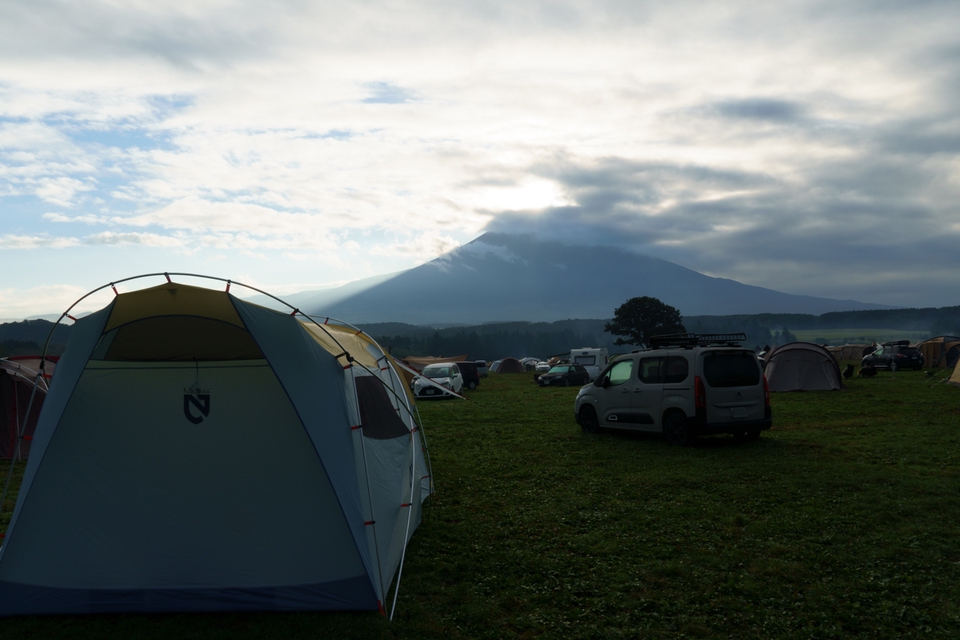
(688, 340)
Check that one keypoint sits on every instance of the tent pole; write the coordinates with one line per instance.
(426, 447)
(366, 475)
(16, 417)
(406, 533)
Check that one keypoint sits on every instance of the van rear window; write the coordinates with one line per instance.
(731, 369)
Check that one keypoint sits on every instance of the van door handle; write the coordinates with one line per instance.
(625, 391)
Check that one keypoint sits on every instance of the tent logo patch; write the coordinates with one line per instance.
(199, 399)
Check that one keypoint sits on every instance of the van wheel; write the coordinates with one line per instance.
(588, 419)
(677, 430)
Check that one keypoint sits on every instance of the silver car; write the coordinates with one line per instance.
(683, 387)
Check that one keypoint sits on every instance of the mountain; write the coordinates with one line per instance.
(500, 277)
(323, 298)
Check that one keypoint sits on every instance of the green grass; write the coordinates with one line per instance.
(839, 521)
(854, 336)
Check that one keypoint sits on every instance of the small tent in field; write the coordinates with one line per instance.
(197, 452)
(510, 365)
(942, 352)
(802, 366)
(23, 388)
(851, 351)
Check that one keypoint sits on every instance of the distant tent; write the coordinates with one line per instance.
(510, 365)
(18, 377)
(419, 362)
(851, 351)
(197, 452)
(941, 352)
(802, 366)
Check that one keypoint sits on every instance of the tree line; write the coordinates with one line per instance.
(542, 339)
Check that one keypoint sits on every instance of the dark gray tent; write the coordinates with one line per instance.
(510, 365)
(802, 366)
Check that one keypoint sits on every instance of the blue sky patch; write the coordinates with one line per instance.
(386, 93)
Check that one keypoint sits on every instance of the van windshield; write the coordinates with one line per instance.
(731, 369)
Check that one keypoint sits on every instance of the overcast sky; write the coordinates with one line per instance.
(809, 147)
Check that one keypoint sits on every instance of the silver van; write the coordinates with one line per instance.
(683, 386)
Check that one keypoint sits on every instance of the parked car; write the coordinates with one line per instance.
(470, 373)
(898, 353)
(445, 374)
(542, 367)
(683, 386)
(593, 358)
(564, 375)
(482, 368)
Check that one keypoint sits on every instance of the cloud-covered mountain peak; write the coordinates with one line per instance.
(501, 277)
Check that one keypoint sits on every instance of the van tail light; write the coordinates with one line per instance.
(766, 392)
(699, 393)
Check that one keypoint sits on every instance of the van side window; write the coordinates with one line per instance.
(620, 372)
(650, 369)
(677, 370)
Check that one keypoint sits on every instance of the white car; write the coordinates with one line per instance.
(543, 367)
(445, 374)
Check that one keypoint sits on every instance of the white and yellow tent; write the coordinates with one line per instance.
(197, 452)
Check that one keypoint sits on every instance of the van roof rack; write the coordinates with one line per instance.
(688, 340)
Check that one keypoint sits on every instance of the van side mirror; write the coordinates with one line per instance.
(605, 383)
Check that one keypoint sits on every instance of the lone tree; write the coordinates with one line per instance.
(640, 318)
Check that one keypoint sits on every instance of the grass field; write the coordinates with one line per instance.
(839, 521)
(854, 336)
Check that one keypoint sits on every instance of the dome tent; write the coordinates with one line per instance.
(510, 365)
(197, 452)
(941, 352)
(802, 366)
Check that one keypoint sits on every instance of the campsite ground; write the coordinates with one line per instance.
(841, 520)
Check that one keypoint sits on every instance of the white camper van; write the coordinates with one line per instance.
(594, 359)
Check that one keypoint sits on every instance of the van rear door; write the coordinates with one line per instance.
(734, 386)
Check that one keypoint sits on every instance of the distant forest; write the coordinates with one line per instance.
(26, 338)
(543, 339)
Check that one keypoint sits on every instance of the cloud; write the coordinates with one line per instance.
(9, 241)
(760, 109)
(774, 144)
(847, 228)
